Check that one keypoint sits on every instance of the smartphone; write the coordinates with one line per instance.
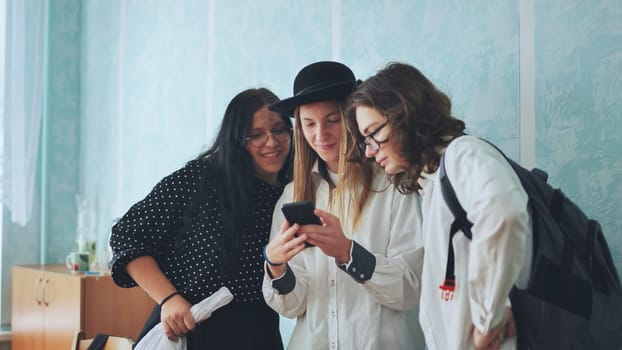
(301, 213)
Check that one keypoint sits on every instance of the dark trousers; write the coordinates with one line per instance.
(237, 326)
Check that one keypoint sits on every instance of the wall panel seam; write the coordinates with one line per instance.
(526, 84)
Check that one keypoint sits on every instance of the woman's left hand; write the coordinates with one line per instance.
(328, 237)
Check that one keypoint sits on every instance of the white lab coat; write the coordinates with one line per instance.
(486, 267)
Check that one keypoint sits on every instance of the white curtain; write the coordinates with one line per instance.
(24, 84)
(2, 55)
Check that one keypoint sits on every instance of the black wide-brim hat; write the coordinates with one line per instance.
(319, 81)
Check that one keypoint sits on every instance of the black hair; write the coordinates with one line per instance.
(232, 165)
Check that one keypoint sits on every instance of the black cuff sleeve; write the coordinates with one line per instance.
(362, 265)
(286, 283)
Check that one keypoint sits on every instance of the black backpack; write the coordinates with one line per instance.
(574, 297)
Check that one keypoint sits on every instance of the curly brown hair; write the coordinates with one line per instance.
(418, 114)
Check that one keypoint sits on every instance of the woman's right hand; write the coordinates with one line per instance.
(283, 247)
(176, 317)
(175, 312)
(496, 335)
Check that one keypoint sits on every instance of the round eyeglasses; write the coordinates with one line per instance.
(260, 138)
(370, 141)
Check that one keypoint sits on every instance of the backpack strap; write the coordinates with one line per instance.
(460, 217)
(98, 342)
(460, 223)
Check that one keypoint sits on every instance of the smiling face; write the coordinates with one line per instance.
(269, 157)
(387, 156)
(321, 126)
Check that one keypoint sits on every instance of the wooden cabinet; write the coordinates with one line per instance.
(50, 303)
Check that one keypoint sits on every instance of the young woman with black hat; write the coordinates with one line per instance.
(354, 287)
(204, 226)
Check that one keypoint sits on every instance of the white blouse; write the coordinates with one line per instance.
(498, 256)
(333, 310)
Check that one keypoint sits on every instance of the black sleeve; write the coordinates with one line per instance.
(362, 265)
(150, 226)
(286, 283)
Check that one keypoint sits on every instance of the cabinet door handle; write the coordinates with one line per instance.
(37, 289)
(45, 283)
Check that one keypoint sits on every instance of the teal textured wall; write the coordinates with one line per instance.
(579, 106)
(63, 121)
(137, 88)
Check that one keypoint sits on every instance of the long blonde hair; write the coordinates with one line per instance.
(355, 180)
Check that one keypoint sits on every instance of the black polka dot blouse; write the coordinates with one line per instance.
(192, 262)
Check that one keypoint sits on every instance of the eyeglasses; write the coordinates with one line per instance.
(370, 141)
(260, 138)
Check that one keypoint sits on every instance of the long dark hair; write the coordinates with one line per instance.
(418, 114)
(232, 165)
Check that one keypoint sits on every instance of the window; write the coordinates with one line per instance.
(2, 80)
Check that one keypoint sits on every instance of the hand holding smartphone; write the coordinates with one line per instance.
(301, 213)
